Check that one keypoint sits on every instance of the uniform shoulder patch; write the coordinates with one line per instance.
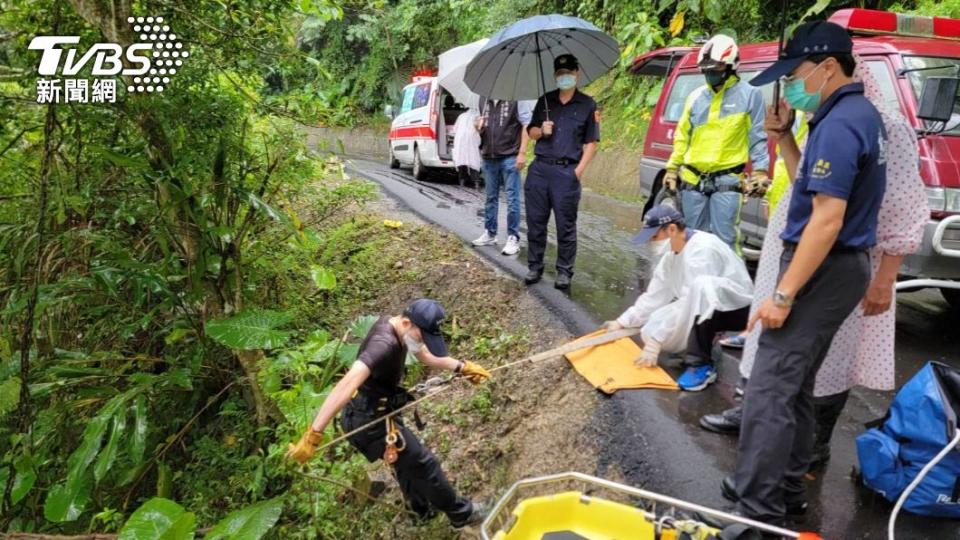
(820, 169)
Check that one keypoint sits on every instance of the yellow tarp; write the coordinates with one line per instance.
(609, 367)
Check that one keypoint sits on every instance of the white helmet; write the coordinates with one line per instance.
(719, 51)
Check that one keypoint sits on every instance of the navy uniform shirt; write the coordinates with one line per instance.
(844, 158)
(574, 125)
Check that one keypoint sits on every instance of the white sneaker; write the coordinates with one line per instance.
(512, 247)
(485, 240)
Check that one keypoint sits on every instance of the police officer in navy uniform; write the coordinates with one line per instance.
(566, 129)
(824, 270)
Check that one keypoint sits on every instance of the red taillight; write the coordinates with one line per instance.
(870, 21)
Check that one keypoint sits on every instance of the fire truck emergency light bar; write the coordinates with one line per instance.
(869, 21)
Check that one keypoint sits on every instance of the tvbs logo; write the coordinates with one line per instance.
(150, 61)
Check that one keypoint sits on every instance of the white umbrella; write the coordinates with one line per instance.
(453, 64)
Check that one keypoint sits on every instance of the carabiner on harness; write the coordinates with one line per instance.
(391, 452)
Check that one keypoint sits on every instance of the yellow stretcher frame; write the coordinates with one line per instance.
(516, 517)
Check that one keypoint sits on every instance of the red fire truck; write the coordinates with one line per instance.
(910, 57)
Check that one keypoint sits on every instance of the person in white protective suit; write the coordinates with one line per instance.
(466, 148)
(699, 288)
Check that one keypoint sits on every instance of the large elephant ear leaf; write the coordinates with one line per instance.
(159, 519)
(249, 523)
(251, 329)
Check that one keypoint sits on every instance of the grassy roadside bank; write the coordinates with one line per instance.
(528, 421)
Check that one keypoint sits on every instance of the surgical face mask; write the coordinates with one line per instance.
(413, 346)
(566, 82)
(715, 78)
(795, 92)
(660, 247)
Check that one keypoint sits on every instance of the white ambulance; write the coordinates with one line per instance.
(421, 134)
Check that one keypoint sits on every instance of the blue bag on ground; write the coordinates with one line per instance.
(921, 421)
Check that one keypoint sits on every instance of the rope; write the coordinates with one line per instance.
(539, 357)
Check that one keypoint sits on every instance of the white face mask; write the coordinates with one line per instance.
(413, 346)
(660, 247)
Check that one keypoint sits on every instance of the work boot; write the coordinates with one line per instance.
(562, 282)
(796, 509)
(532, 276)
(477, 515)
(725, 423)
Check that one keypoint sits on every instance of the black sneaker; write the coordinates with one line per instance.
(726, 423)
(532, 277)
(796, 510)
(476, 517)
(562, 282)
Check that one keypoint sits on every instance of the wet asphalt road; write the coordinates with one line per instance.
(653, 438)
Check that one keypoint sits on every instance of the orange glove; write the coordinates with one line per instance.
(305, 447)
(474, 372)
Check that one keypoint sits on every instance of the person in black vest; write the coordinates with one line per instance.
(371, 389)
(566, 126)
(503, 145)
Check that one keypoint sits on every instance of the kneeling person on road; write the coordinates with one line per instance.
(699, 288)
(371, 390)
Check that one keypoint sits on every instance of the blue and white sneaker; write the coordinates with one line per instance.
(695, 379)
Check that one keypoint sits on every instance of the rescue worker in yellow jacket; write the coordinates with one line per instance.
(720, 129)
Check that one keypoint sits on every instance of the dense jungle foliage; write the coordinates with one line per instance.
(181, 281)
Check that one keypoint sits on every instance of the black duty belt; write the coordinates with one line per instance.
(835, 250)
(708, 181)
(562, 161)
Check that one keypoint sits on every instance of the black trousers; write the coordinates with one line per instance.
(777, 431)
(425, 488)
(700, 342)
(467, 175)
(552, 188)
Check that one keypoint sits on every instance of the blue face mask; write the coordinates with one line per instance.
(566, 82)
(795, 92)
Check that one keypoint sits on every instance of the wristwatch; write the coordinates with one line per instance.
(782, 300)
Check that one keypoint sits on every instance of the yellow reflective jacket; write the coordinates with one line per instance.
(781, 179)
(720, 130)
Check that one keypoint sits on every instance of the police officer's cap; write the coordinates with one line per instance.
(658, 216)
(811, 38)
(565, 61)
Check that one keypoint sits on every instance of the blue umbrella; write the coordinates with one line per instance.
(517, 62)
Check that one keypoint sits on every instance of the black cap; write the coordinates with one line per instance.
(657, 217)
(565, 61)
(427, 315)
(810, 38)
